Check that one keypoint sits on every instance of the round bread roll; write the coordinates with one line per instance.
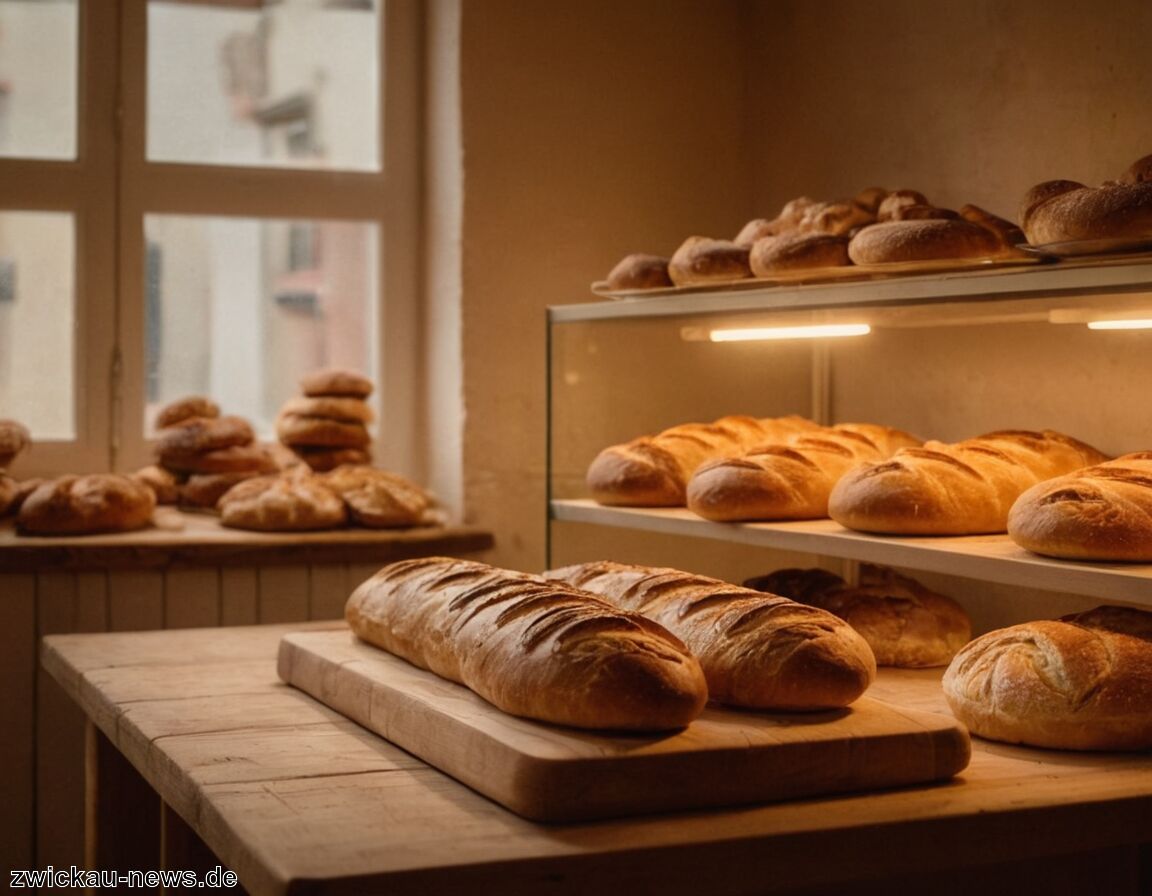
(203, 491)
(233, 459)
(289, 502)
(378, 499)
(702, 260)
(905, 624)
(321, 460)
(791, 252)
(1083, 682)
(184, 408)
(296, 429)
(163, 483)
(348, 410)
(199, 434)
(1102, 512)
(336, 381)
(84, 505)
(1063, 211)
(640, 271)
(923, 240)
(14, 438)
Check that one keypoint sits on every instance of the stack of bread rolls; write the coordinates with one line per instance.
(200, 454)
(327, 425)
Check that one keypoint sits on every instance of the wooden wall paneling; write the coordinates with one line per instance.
(18, 669)
(329, 591)
(135, 600)
(59, 737)
(192, 598)
(358, 572)
(239, 595)
(283, 593)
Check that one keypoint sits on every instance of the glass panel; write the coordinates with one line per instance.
(37, 320)
(38, 79)
(239, 309)
(275, 83)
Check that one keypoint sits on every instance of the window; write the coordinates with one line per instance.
(249, 217)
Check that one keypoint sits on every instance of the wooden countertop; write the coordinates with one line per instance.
(183, 539)
(296, 798)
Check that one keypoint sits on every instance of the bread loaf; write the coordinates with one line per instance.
(757, 650)
(185, 408)
(379, 499)
(321, 432)
(86, 505)
(533, 648)
(791, 252)
(700, 260)
(290, 502)
(923, 240)
(14, 438)
(1083, 682)
(792, 480)
(639, 271)
(1058, 211)
(964, 488)
(905, 624)
(1102, 512)
(653, 471)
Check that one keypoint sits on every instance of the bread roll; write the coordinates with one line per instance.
(195, 435)
(162, 481)
(295, 429)
(923, 240)
(1083, 682)
(184, 408)
(1102, 512)
(336, 381)
(754, 230)
(332, 407)
(792, 252)
(792, 480)
(834, 218)
(289, 502)
(964, 488)
(536, 649)
(1059, 211)
(639, 271)
(379, 499)
(653, 471)
(322, 459)
(85, 505)
(905, 624)
(757, 650)
(701, 260)
(14, 438)
(890, 205)
(203, 491)
(251, 458)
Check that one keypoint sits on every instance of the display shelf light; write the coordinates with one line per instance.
(806, 331)
(1129, 323)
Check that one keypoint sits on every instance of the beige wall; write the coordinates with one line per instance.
(597, 128)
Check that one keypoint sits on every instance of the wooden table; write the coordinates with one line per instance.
(296, 798)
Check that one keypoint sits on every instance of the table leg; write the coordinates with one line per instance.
(122, 811)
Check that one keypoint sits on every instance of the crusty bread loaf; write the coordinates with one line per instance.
(639, 271)
(964, 488)
(757, 650)
(295, 501)
(1102, 512)
(250, 458)
(905, 624)
(533, 648)
(1083, 682)
(1058, 211)
(800, 251)
(14, 438)
(700, 260)
(85, 505)
(337, 381)
(183, 408)
(194, 435)
(653, 471)
(923, 240)
(296, 429)
(379, 499)
(791, 480)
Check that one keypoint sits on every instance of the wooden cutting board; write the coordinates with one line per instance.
(551, 773)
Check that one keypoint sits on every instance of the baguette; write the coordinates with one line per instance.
(964, 488)
(790, 481)
(1103, 512)
(1082, 682)
(701, 260)
(532, 648)
(757, 650)
(653, 471)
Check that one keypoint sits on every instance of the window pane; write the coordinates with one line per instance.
(289, 83)
(239, 308)
(37, 321)
(38, 79)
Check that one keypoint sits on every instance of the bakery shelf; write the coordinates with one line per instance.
(992, 558)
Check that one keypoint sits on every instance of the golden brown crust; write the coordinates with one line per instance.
(533, 648)
(14, 438)
(1112, 211)
(757, 650)
(252, 458)
(640, 271)
(653, 471)
(347, 410)
(703, 260)
(84, 505)
(923, 240)
(204, 490)
(905, 624)
(1083, 682)
(296, 429)
(890, 205)
(321, 459)
(834, 218)
(336, 381)
(198, 434)
(184, 408)
(1101, 512)
(791, 252)
(964, 488)
(289, 502)
(754, 230)
(163, 483)
(379, 499)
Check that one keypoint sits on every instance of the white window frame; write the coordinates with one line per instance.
(111, 187)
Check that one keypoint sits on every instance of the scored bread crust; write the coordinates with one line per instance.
(378, 499)
(653, 471)
(757, 650)
(532, 648)
(289, 502)
(963, 488)
(789, 481)
(85, 505)
(14, 438)
(1083, 682)
(1102, 512)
